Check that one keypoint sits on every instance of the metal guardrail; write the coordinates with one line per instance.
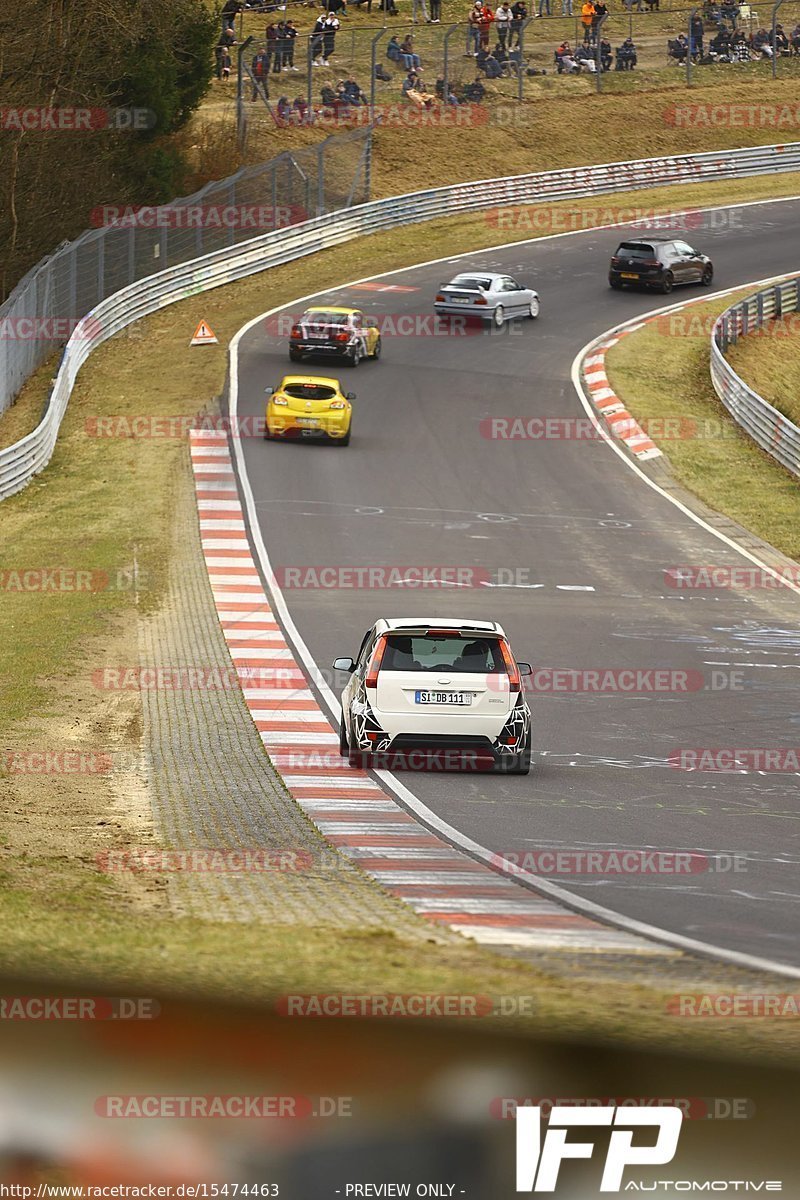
(773, 432)
(18, 463)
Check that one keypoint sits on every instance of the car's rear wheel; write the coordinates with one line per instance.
(376, 353)
(707, 278)
(667, 283)
(533, 310)
(345, 441)
(344, 747)
(517, 764)
(499, 317)
(295, 356)
(616, 284)
(355, 357)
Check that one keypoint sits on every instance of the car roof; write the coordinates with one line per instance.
(648, 241)
(390, 624)
(313, 379)
(480, 274)
(331, 308)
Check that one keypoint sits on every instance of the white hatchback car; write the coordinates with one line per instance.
(435, 692)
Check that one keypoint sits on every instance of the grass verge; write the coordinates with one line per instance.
(662, 375)
(105, 504)
(770, 363)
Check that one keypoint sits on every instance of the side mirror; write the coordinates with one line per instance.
(525, 668)
(269, 391)
(344, 664)
(350, 395)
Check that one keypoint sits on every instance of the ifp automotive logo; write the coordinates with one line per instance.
(539, 1160)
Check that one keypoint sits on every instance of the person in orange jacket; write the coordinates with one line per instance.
(484, 25)
(587, 17)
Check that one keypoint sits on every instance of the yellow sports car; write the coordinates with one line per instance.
(343, 333)
(305, 406)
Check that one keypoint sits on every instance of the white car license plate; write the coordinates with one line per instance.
(425, 697)
(459, 300)
(311, 422)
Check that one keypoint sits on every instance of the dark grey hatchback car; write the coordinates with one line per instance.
(661, 263)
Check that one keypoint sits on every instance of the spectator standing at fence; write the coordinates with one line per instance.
(474, 30)
(259, 68)
(271, 44)
(587, 18)
(419, 6)
(230, 11)
(519, 11)
(696, 31)
(330, 29)
(599, 15)
(436, 12)
(485, 25)
(290, 36)
(503, 19)
(544, 8)
(566, 8)
(225, 63)
(317, 36)
(280, 48)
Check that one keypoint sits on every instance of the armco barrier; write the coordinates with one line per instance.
(21, 461)
(774, 432)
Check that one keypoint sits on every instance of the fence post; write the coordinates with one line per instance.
(320, 179)
(774, 47)
(309, 68)
(446, 65)
(521, 48)
(692, 15)
(373, 54)
(240, 119)
(598, 62)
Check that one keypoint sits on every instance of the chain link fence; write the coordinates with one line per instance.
(128, 245)
(642, 48)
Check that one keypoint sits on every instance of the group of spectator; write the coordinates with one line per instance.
(277, 53)
(587, 57)
(731, 45)
(507, 19)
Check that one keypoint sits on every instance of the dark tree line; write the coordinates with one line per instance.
(153, 55)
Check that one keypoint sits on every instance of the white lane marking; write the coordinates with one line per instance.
(425, 814)
(574, 587)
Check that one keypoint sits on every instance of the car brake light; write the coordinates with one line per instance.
(651, 262)
(342, 337)
(481, 300)
(296, 332)
(614, 259)
(375, 663)
(337, 404)
(511, 666)
(439, 300)
(279, 400)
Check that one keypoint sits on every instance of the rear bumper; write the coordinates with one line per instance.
(447, 742)
(464, 310)
(643, 279)
(287, 427)
(323, 349)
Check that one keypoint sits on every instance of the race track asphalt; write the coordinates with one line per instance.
(420, 484)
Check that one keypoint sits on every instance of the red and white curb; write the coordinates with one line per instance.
(349, 808)
(608, 403)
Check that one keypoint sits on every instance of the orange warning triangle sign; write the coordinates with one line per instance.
(204, 335)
